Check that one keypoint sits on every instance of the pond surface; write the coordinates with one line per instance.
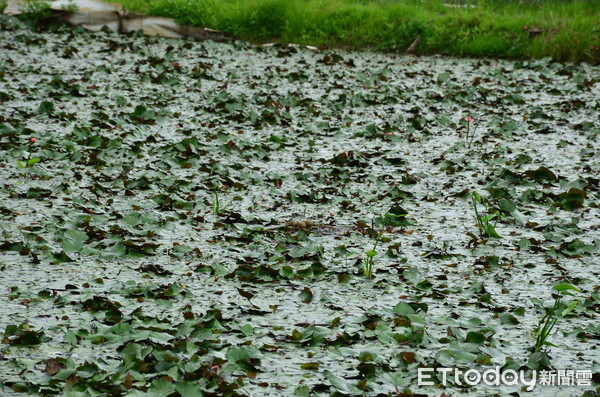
(194, 218)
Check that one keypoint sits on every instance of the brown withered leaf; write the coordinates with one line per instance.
(71, 382)
(409, 357)
(53, 366)
(128, 381)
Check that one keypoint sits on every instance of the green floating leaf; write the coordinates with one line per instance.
(302, 391)
(188, 389)
(310, 366)
(340, 383)
(576, 248)
(73, 240)
(395, 216)
(507, 205)
(143, 115)
(21, 335)
(443, 77)
(570, 200)
(475, 337)
(120, 100)
(246, 358)
(539, 361)
(297, 252)
(403, 309)
(4, 96)
(160, 387)
(46, 108)
(507, 318)
(306, 295)
(541, 175)
(247, 329)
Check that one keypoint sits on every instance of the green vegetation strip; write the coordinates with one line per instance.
(565, 31)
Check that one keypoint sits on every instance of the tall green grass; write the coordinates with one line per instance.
(563, 30)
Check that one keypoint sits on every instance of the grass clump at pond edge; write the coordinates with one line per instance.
(565, 31)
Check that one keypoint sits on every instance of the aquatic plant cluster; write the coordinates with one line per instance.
(186, 218)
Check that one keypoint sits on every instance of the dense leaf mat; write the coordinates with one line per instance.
(192, 218)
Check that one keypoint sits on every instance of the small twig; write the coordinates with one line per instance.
(411, 49)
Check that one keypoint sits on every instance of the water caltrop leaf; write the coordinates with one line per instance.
(73, 240)
(475, 337)
(46, 107)
(306, 295)
(538, 361)
(395, 216)
(21, 335)
(507, 318)
(542, 174)
(403, 309)
(160, 387)
(188, 389)
(443, 77)
(302, 391)
(576, 248)
(507, 205)
(340, 383)
(297, 252)
(247, 329)
(570, 200)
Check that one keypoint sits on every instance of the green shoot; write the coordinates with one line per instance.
(547, 323)
(545, 327)
(484, 220)
(370, 256)
(28, 163)
(394, 217)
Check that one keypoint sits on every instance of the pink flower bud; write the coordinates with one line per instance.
(389, 133)
(469, 119)
(32, 140)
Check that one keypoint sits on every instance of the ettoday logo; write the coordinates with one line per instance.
(472, 377)
(496, 377)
